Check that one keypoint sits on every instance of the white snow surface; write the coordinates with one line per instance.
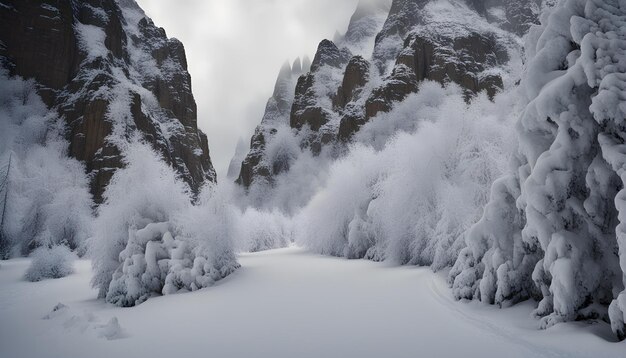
(282, 303)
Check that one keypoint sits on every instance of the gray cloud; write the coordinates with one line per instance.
(235, 49)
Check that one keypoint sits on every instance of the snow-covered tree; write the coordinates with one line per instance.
(5, 247)
(409, 197)
(44, 197)
(548, 231)
(262, 230)
(146, 191)
(149, 239)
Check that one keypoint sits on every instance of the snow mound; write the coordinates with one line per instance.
(85, 323)
(155, 262)
(54, 262)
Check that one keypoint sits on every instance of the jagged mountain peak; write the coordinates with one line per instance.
(328, 54)
(297, 66)
(366, 21)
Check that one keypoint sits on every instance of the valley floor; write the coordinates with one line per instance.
(282, 303)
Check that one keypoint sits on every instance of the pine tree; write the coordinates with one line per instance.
(549, 229)
(5, 247)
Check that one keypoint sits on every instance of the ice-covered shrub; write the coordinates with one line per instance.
(409, 197)
(210, 226)
(145, 191)
(44, 195)
(262, 230)
(549, 229)
(192, 251)
(151, 240)
(324, 222)
(50, 262)
(282, 149)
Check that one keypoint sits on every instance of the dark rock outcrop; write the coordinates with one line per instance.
(110, 72)
(401, 83)
(305, 109)
(463, 60)
(355, 77)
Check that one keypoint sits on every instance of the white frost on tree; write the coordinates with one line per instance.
(260, 230)
(50, 262)
(548, 231)
(151, 240)
(408, 198)
(44, 196)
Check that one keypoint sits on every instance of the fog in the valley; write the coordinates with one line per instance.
(235, 49)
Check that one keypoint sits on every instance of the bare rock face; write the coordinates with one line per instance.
(32, 31)
(251, 167)
(403, 16)
(463, 60)
(306, 109)
(112, 74)
(355, 77)
(401, 83)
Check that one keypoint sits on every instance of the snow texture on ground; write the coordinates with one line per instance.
(282, 303)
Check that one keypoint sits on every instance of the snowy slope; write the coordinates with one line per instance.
(283, 303)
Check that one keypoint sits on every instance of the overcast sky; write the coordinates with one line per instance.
(235, 49)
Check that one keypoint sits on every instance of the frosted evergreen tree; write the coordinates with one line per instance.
(549, 229)
(149, 238)
(4, 196)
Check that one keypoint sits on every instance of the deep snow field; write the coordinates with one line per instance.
(282, 303)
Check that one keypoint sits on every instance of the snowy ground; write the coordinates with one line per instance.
(282, 303)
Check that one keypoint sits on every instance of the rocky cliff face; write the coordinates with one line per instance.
(276, 114)
(113, 75)
(387, 51)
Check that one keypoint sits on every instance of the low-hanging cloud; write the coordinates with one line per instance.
(235, 49)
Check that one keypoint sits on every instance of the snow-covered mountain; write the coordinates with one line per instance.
(389, 49)
(111, 74)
